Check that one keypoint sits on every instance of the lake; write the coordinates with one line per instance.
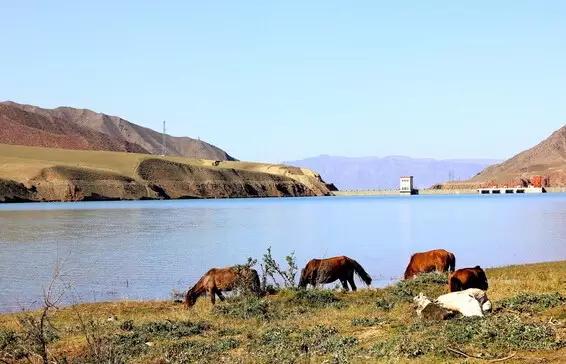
(145, 249)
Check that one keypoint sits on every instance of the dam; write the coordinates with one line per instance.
(509, 190)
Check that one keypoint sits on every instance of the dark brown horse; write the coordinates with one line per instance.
(217, 280)
(331, 269)
(438, 260)
(465, 278)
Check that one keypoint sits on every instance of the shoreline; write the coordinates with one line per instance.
(370, 325)
(428, 191)
(344, 193)
(391, 282)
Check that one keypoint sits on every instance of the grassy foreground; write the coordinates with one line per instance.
(528, 324)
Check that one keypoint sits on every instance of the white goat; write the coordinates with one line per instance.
(471, 302)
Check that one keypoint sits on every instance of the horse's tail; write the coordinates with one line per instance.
(255, 284)
(303, 280)
(452, 263)
(454, 283)
(361, 272)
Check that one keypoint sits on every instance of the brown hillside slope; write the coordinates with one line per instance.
(45, 174)
(70, 128)
(21, 127)
(547, 159)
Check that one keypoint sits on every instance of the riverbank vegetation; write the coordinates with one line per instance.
(528, 324)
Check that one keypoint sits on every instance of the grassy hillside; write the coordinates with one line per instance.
(379, 325)
(59, 174)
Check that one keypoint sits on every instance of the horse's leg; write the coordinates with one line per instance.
(211, 292)
(344, 285)
(352, 284)
(220, 295)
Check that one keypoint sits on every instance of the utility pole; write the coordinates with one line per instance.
(164, 151)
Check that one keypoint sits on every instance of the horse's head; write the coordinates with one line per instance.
(190, 298)
(409, 273)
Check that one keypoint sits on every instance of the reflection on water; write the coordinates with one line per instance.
(144, 249)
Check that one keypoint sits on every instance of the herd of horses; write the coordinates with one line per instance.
(342, 268)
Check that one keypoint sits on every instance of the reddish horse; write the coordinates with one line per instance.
(438, 260)
(465, 278)
(331, 269)
(217, 280)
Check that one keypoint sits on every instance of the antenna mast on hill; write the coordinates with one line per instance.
(164, 151)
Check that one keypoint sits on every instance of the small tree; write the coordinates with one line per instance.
(37, 330)
(272, 269)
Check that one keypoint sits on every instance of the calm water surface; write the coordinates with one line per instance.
(144, 249)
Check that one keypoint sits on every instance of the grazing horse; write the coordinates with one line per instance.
(438, 260)
(331, 269)
(465, 278)
(217, 280)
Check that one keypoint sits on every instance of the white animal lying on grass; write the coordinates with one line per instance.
(471, 302)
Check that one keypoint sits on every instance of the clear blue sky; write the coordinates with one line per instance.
(282, 80)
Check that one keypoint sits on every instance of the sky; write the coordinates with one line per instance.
(285, 80)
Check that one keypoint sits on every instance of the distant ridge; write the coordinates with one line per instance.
(361, 173)
(546, 159)
(70, 128)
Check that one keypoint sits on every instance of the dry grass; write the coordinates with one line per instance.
(366, 326)
(21, 163)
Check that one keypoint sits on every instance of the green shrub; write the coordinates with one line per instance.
(325, 340)
(127, 325)
(315, 298)
(245, 307)
(367, 321)
(10, 345)
(501, 332)
(288, 345)
(531, 302)
(431, 284)
(489, 335)
(405, 346)
(384, 304)
(171, 329)
(125, 345)
(198, 351)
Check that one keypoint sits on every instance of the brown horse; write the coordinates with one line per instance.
(438, 260)
(331, 269)
(465, 278)
(217, 280)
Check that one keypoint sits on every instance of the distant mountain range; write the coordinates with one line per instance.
(70, 128)
(546, 159)
(383, 173)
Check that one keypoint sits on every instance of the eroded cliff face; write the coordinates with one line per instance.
(155, 178)
(178, 180)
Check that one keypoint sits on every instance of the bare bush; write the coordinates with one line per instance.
(271, 269)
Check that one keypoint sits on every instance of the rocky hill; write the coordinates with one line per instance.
(71, 128)
(547, 159)
(46, 174)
